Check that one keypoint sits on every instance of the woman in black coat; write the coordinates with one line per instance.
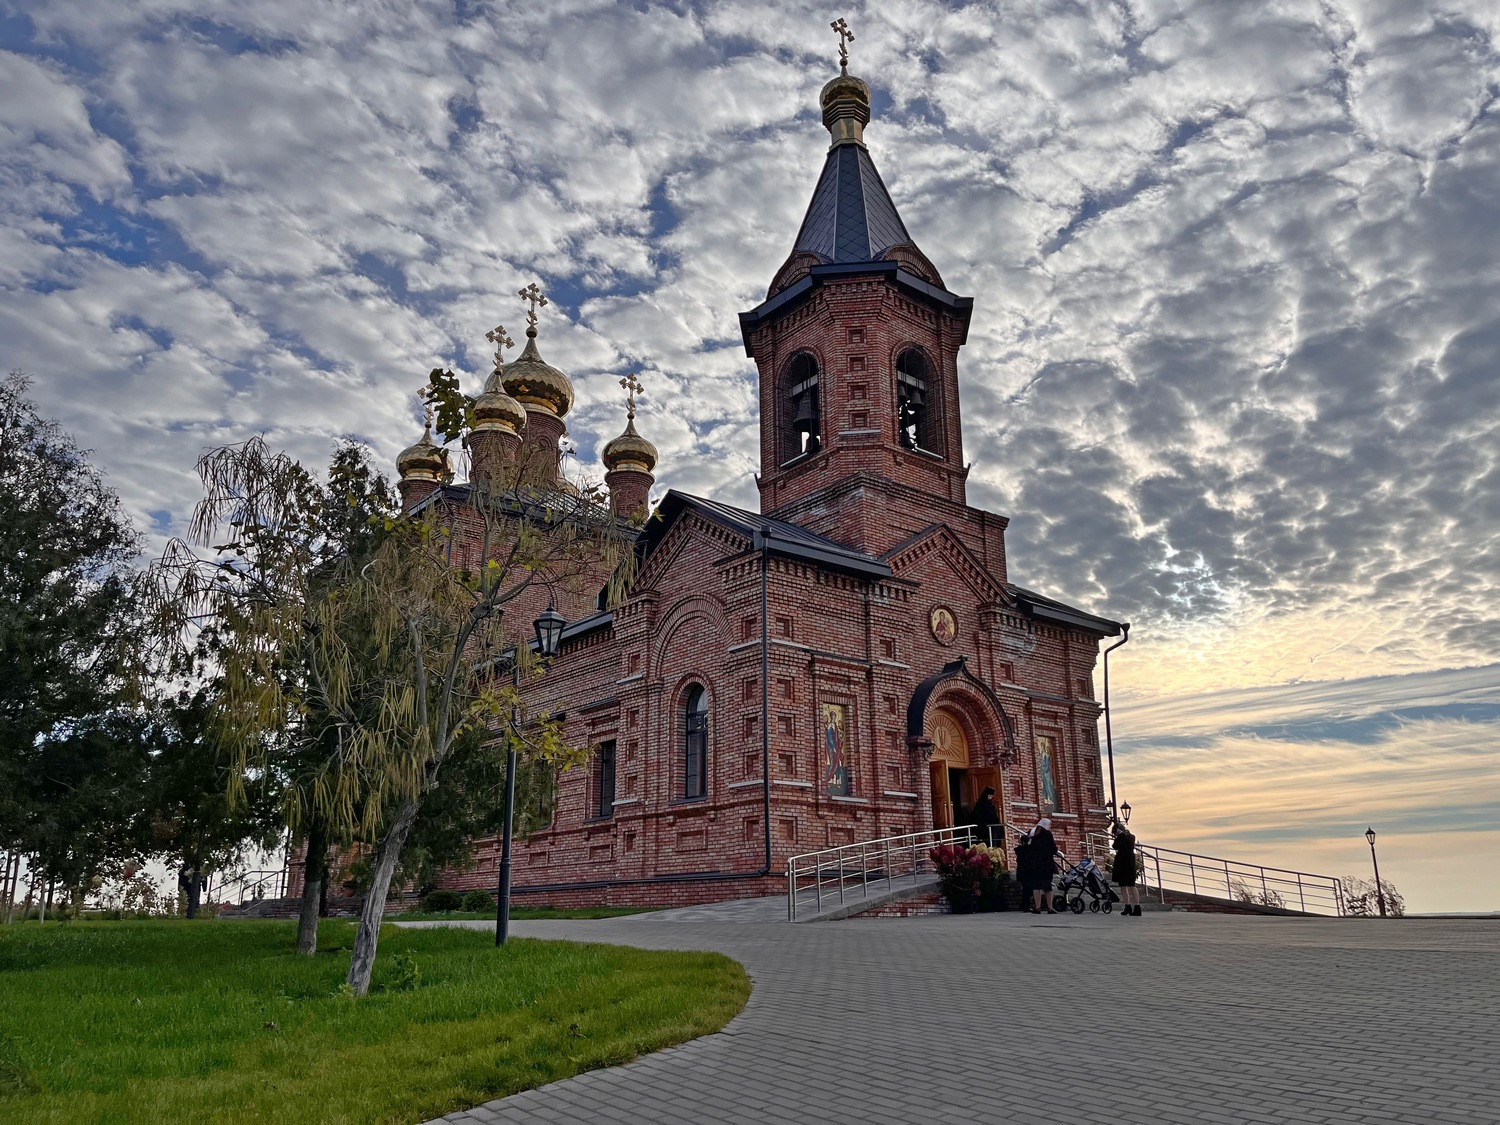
(987, 820)
(1125, 870)
(1040, 850)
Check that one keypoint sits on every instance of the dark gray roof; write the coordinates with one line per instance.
(780, 537)
(1050, 609)
(851, 217)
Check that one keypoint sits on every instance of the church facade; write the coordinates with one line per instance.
(851, 662)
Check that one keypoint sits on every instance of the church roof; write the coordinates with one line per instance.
(780, 537)
(1050, 609)
(851, 217)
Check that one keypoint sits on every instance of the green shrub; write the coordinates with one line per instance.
(479, 902)
(441, 902)
(405, 973)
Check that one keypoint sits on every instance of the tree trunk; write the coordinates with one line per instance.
(194, 890)
(46, 902)
(314, 874)
(362, 963)
(5, 885)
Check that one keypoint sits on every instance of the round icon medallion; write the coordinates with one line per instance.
(944, 627)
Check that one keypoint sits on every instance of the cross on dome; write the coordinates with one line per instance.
(841, 28)
(632, 387)
(497, 336)
(537, 299)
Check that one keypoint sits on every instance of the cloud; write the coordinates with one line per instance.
(1291, 776)
(1232, 367)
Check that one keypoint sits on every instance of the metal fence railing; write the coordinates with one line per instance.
(1166, 870)
(270, 883)
(851, 869)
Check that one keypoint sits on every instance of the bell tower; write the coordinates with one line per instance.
(857, 348)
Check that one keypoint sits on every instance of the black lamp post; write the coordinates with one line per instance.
(549, 627)
(1379, 890)
(1125, 811)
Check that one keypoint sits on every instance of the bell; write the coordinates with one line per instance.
(916, 397)
(806, 421)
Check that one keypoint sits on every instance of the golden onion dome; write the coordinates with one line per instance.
(629, 451)
(846, 108)
(532, 381)
(496, 410)
(425, 460)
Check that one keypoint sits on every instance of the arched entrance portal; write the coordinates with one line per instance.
(949, 767)
(968, 736)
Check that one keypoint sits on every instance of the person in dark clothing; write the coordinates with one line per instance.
(1041, 848)
(1125, 870)
(990, 831)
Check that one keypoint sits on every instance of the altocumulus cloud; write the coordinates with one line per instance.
(1233, 365)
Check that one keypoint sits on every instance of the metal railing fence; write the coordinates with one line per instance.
(851, 868)
(1167, 869)
(271, 882)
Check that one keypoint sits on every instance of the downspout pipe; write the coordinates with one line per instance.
(765, 695)
(1109, 741)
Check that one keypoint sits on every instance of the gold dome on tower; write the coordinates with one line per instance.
(425, 460)
(629, 451)
(531, 380)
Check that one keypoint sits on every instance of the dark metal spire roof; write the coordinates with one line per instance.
(851, 217)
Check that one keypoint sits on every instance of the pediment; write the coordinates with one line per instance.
(914, 557)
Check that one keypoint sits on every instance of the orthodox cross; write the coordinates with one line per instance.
(845, 38)
(497, 336)
(428, 415)
(632, 387)
(536, 298)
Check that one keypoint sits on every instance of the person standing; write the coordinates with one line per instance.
(1125, 871)
(987, 824)
(1041, 850)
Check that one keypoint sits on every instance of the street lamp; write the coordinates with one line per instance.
(549, 628)
(1125, 811)
(1379, 890)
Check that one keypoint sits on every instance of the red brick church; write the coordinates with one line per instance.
(851, 662)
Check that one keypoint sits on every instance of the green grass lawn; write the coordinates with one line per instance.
(218, 1021)
(525, 913)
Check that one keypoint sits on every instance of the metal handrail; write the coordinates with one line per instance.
(247, 883)
(1216, 877)
(877, 858)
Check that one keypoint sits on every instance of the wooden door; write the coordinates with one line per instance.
(942, 803)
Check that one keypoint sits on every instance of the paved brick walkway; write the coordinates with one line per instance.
(1172, 1018)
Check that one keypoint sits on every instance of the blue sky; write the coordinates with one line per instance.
(1233, 368)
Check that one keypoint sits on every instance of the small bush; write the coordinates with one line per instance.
(442, 902)
(479, 902)
(405, 973)
(1362, 900)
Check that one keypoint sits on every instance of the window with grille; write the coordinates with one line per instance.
(695, 742)
(604, 783)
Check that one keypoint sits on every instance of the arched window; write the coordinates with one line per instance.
(695, 742)
(916, 420)
(802, 413)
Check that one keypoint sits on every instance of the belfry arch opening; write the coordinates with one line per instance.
(802, 427)
(916, 407)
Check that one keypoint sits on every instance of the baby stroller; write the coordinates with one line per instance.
(1084, 885)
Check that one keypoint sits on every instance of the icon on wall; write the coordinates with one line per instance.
(835, 759)
(944, 625)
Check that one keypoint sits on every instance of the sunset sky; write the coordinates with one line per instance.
(1234, 370)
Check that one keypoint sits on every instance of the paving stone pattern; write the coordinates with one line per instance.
(1170, 1018)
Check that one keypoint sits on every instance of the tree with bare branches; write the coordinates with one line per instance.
(379, 662)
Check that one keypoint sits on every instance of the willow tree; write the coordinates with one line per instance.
(265, 549)
(377, 664)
